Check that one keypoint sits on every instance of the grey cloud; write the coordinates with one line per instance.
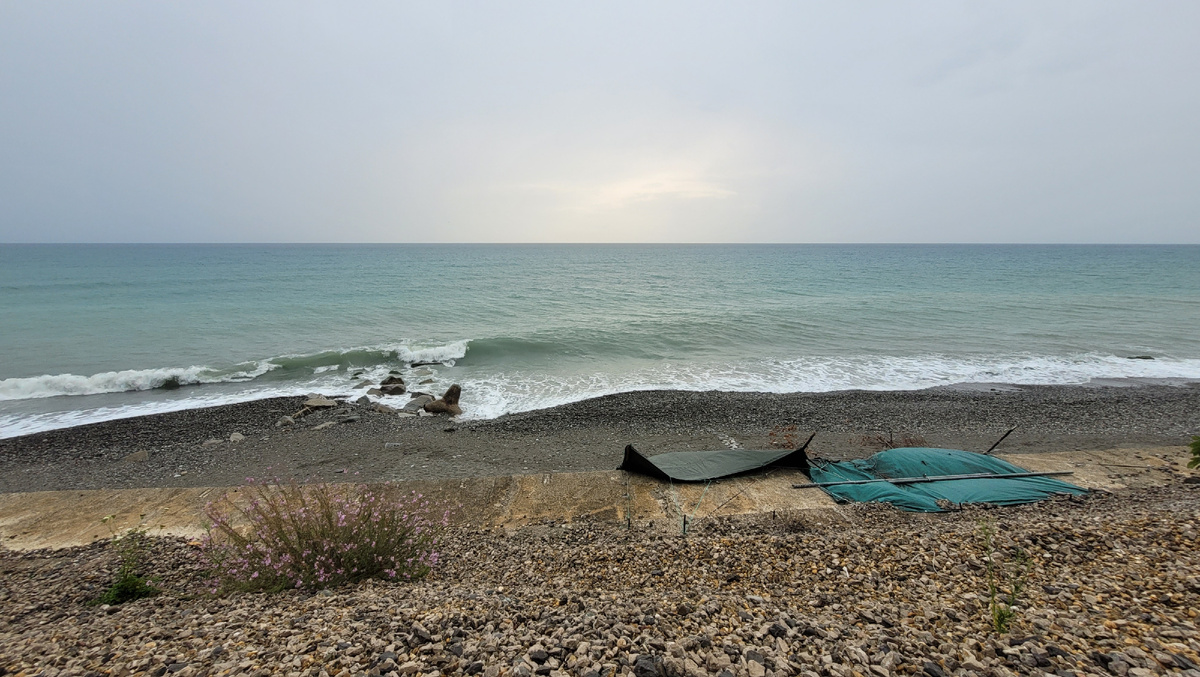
(639, 121)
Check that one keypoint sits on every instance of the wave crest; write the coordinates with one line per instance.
(54, 385)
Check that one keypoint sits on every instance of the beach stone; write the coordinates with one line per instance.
(364, 400)
(393, 389)
(212, 442)
(406, 414)
(284, 420)
(375, 391)
(327, 424)
(417, 403)
(392, 381)
(383, 409)
(1194, 479)
(236, 437)
(646, 666)
(426, 382)
(933, 669)
(138, 457)
(349, 418)
(319, 402)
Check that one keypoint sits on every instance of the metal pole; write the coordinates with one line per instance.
(993, 447)
(935, 478)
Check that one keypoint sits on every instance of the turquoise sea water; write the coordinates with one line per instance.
(92, 332)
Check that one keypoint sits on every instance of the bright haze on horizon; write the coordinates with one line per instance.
(607, 122)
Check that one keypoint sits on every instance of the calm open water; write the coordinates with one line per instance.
(93, 332)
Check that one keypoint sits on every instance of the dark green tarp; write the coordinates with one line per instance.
(926, 462)
(699, 466)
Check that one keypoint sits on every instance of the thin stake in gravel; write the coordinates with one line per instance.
(993, 447)
(936, 478)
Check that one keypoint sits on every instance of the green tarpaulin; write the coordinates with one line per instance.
(699, 466)
(926, 462)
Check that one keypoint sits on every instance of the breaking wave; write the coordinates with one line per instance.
(278, 370)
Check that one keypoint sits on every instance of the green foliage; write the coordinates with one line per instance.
(1195, 462)
(127, 588)
(320, 535)
(128, 585)
(1006, 581)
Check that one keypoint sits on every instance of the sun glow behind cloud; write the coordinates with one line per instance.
(594, 170)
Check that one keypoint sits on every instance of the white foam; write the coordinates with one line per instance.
(447, 353)
(491, 394)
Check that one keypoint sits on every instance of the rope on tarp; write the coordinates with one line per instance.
(935, 478)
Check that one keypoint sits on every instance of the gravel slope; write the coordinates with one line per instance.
(1114, 589)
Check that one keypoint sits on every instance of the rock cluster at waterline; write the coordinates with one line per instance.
(349, 411)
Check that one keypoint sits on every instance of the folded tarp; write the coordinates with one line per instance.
(699, 466)
(916, 462)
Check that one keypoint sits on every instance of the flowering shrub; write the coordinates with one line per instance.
(320, 535)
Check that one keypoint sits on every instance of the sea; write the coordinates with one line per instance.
(96, 332)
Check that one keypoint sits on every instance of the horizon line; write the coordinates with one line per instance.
(619, 244)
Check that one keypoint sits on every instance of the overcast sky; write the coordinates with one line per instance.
(571, 122)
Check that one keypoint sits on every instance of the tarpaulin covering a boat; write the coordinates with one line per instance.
(699, 466)
(917, 462)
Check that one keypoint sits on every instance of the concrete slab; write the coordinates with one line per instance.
(1112, 469)
(56, 519)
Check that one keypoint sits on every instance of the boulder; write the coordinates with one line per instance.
(447, 403)
(236, 437)
(384, 409)
(417, 403)
(375, 391)
(392, 381)
(364, 400)
(319, 402)
(393, 389)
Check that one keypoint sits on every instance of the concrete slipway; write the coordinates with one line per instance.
(55, 519)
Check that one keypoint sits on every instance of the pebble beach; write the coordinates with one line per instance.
(222, 446)
(1112, 589)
